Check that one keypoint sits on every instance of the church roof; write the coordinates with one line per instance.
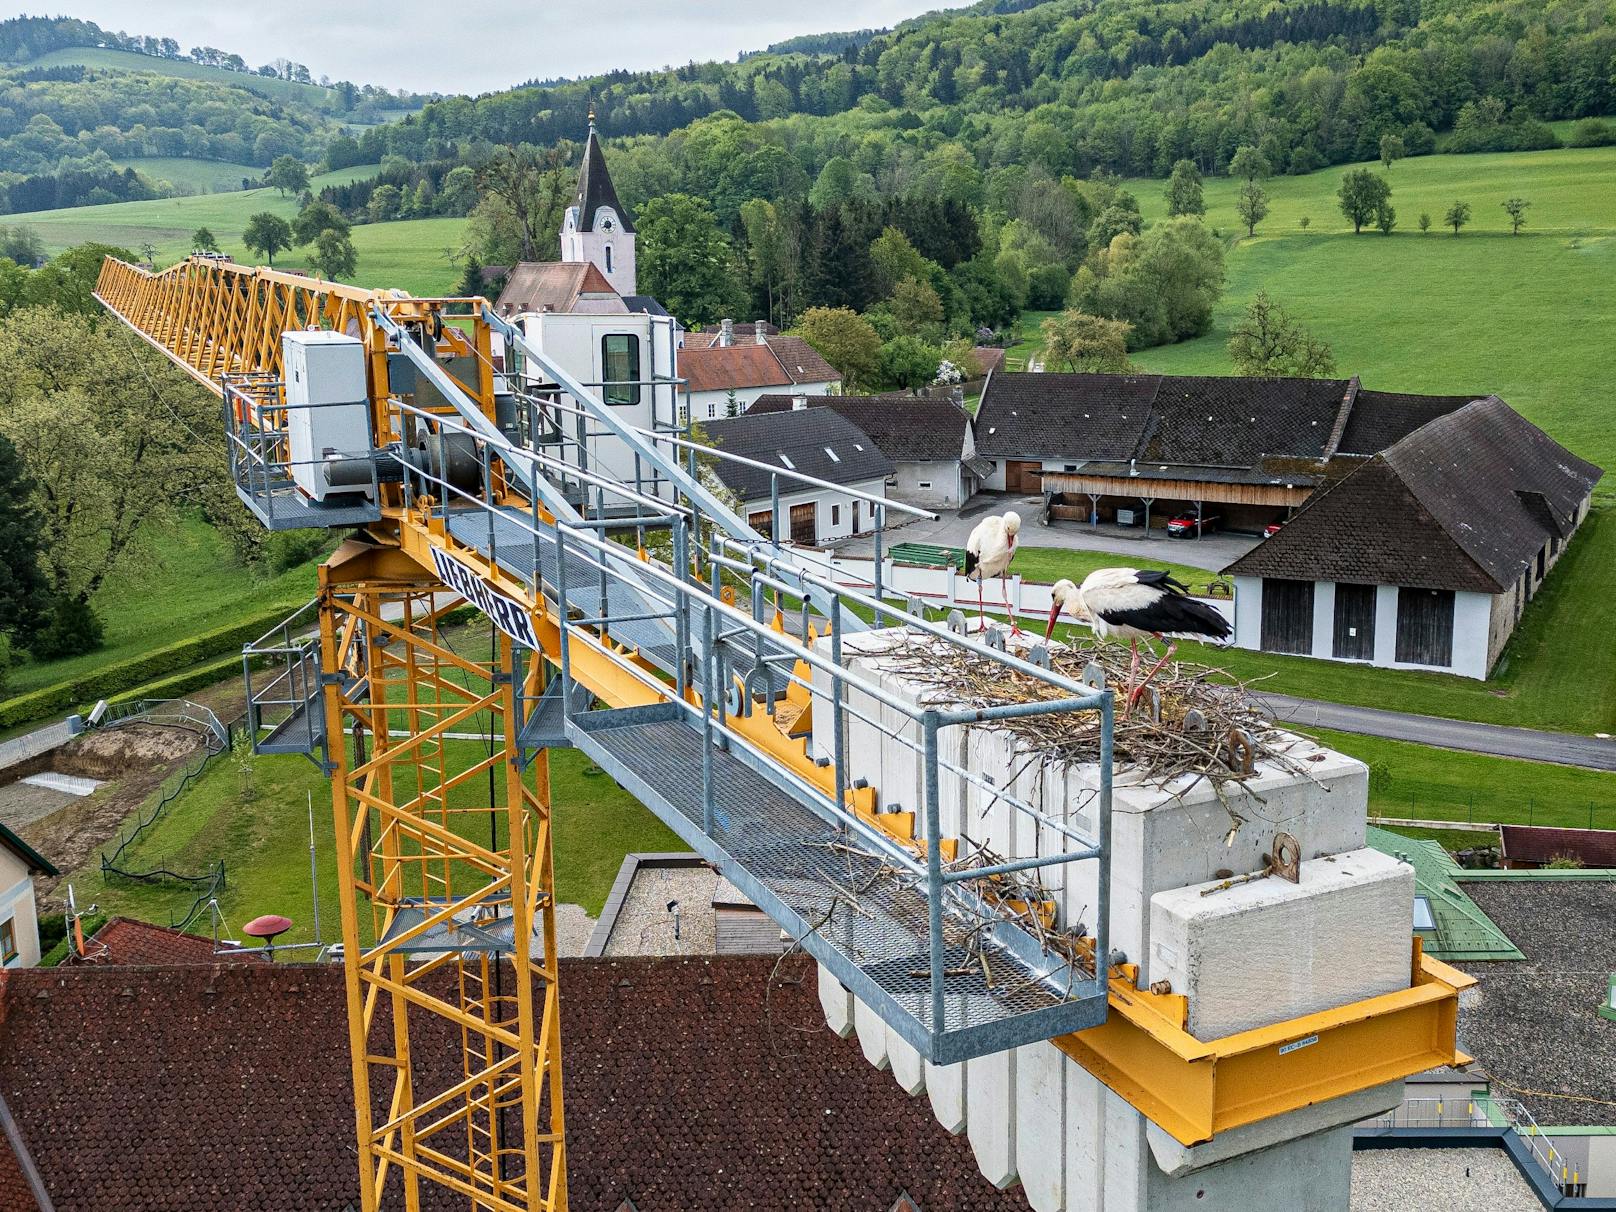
(595, 189)
(560, 286)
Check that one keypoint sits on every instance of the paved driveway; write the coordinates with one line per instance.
(1213, 552)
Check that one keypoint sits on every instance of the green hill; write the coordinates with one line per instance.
(203, 176)
(313, 96)
(1528, 317)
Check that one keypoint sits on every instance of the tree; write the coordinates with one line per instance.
(1268, 343)
(471, 279)
(334, 255)
(385, 203)
(288, 174)
(318, 216)
(846, 340)
(1252, 206)
(1081, 342)
(1164, 282)
(1391, 149)
(1361, 195)
(534, 187)
(908, 362)
(1516, 208)
(203, 240)
(1425, 221)
(25, 598)
(1458, 215)
(1304, 222)
(1249, 163)
(267, 233)
(1385, 218)
(685, 260)
(895, 259)
(916, 308)
(1183, 191)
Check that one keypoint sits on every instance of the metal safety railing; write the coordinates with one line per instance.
(172, 713)
(1483, 1111)
(281, 669)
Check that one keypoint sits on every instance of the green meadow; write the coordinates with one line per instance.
(274, 88)
(412, 255)
(1527, 317)
(199, 176)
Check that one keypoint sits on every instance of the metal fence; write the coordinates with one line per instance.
(1483, 1111)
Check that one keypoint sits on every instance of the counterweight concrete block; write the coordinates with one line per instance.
(872, 1034)
(945, 1088)
(990, 1119)
(1269, 950)
(1041, 1125)
(908, 1069)
(837, 1003)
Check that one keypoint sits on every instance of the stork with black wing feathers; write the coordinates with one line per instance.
(1137, 604)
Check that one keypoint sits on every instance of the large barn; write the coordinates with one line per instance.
(1426, 554)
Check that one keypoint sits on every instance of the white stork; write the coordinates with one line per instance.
(988, 553)
(1137, 604)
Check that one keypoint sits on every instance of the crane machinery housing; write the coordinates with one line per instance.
(639, 619)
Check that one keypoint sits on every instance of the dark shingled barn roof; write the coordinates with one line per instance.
(1533, 1027)
(1543, 843)
(807, 437)
(1465, 502)
(1205, 421)
(908, 429)
(595, 189)
(689, 1083)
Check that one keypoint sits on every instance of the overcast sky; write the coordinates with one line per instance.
(475, 45)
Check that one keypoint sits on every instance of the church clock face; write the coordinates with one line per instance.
(606, 225)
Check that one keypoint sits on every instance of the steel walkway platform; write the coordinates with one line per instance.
(859, 916)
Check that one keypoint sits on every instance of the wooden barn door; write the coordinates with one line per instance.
(1022, 476)
(1355, 622)
(1287, 616)
(803, 527)
(1425, 626)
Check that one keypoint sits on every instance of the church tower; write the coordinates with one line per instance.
(597, 227)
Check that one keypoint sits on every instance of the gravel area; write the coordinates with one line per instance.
(1454, 1180)
(573, 928)
(644, 925)
(23, 804)
(1533, 1026)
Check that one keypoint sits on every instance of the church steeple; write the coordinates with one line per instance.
(597, 227)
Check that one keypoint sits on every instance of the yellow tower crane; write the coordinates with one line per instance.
(632, 621)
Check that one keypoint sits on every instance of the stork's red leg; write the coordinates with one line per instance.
(1172, 647)
(1004, 590)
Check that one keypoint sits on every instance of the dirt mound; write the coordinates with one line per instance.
(119, 751)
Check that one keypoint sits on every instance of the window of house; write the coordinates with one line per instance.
(1424, 919)
(608, 258)
(834, 457)
(925, 483)
(835, 515)
(786, 459)
(620, 366)
(8, 940)
(712, 411)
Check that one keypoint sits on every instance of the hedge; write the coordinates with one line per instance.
(155, 666)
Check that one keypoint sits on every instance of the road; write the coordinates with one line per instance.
(1560, 748)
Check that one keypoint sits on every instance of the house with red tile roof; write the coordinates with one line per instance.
(724, 375)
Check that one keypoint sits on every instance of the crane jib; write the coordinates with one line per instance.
(509, 615)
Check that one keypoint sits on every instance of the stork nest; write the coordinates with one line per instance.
(1193, 720)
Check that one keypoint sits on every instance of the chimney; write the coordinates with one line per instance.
(726, 333)
(799, 401)
(761, 331)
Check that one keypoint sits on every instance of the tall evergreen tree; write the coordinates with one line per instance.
(25, 597)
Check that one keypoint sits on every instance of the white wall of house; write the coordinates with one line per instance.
(995, 482)
(932, 485)
(17, 909)
(1472, 616)
(715, 405)
(833, 510)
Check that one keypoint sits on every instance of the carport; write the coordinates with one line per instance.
(1249, 500)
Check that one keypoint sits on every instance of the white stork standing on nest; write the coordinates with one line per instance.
(988, 553)
(1137, 604)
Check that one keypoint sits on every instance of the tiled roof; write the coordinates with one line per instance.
(1381, 418)
(914, 429)
(595, 189)
(802, 361)
(130, 942)
(806, 437)
(1091, 416)
(16, 1184)
(1540, 844)
(731, 368)
(988, 357)
(1462, 931)
(688, 1084)
(558, 286)
(1464, 502)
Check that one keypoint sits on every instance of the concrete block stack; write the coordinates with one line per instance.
(1246, 955)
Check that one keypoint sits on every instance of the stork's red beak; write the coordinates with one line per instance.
(1054, 613)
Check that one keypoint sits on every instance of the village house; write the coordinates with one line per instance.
(813, 442)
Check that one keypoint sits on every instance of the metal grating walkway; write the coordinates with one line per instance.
(798, 868)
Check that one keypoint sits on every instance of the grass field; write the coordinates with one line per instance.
(1422, 783)
(203, 176)
(264, 841)
(1049, 564)
(1527, 317)
(275, 89)
(411, 255)
(184, 581)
